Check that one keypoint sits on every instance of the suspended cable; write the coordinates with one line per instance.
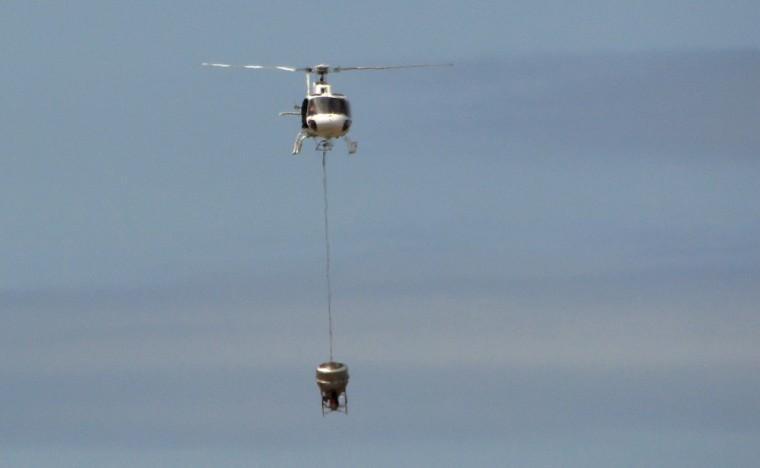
(327, 253)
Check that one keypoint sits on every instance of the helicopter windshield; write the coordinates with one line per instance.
(329, 105)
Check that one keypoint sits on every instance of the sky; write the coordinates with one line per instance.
(543, 256)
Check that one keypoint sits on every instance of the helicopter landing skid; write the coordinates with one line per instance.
(352, 145)
(298, 144)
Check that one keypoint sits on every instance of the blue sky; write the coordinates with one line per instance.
(544, 256)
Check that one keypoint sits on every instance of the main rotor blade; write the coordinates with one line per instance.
(324, 69)
(391, 67)
(256, 67)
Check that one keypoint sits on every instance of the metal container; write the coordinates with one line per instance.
(332, 379)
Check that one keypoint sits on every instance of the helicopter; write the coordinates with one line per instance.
(325, 115)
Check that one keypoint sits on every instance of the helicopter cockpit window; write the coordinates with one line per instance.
(329, 105)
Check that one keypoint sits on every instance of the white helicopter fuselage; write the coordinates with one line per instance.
(325, 114)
